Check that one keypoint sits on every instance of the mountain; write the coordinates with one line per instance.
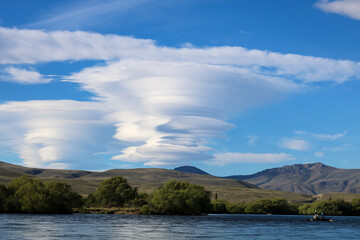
(190, 169)
(312, 178)
(148, 180)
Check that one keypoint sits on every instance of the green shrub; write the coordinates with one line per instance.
(335, 207)
(62, 198)
(3, 198)
(356, 206)
(113, 192)
(235, 208)
(219, 206)
(181, 198)
(28, 195)
(272, 206)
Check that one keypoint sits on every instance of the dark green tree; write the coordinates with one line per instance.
(273, 206)
(28, 195)
(3, 198)
(330, 207)
(356, 206)
(113, 192)
(219, 206)
(235, 208)
(61, 198)
(181, 198)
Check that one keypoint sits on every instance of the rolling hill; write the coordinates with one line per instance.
(190, 169)
(312, 178)
(148, 180)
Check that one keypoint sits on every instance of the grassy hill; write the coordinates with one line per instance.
(147, 180)
(314, 178)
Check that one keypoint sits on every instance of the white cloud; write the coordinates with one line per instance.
(33, 46)
(160, 104)
(77, 14)
(55, 133)
(319, 154)
(349, 8)
(169, 109)
(294, 144)
(252, 139)
(222, 159)
(325, 137)
(23, 76)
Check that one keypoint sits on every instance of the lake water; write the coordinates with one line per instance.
(102, 226)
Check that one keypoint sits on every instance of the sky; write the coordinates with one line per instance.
(230, 86)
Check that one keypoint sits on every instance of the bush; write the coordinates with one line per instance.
(3, 198)
(62, 198)
(235, 208)
(113, 192)
(356, 206)
(274, 206)
(219, 206)
(306, 209)
(336, 207)
(146, 210)
(181, 198)
(27, 195)
(140, 200)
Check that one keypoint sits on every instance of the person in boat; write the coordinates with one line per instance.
(316, 216)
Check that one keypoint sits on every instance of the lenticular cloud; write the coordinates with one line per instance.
(169, 109)
(159, 105)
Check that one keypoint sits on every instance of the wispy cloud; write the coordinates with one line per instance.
(252, 139)
(23, 76)
(55, 134)
(78, 14)
(295, 144)
(222, 159)
(33, 46)
(349, 8)
(160, 104)
(319, 154)
(324, 137)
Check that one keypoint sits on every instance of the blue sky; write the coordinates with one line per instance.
(232, 87)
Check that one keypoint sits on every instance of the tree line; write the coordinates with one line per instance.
(336, 207)
(29, 195)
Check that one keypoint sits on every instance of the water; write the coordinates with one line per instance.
(102, 226)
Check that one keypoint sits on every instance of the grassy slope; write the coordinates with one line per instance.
(148, 180)
(309, 179)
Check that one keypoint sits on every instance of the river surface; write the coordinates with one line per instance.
(105, 226)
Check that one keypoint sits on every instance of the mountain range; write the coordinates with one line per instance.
(312, 178)
(148, 180)
(295, 182)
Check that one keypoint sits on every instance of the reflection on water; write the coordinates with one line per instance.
(91, 226)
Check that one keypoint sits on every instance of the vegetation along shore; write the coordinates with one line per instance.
(115, 195)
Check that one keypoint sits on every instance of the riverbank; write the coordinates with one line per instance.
(113, 210)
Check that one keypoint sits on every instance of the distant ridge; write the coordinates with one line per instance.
(190, 169)
(145, 179)
(311, 178)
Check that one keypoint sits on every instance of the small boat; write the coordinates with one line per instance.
(319, 220)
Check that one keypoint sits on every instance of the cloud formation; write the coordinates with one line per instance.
(222, 159)
(35, 46)
(23, 76)
(55, 134)
(160, 104)
(321, 136)
(77, 14)
(349, 8)
(295, 144)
